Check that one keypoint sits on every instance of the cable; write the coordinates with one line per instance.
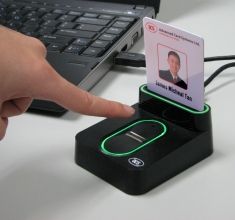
(218, 71)
(219, 58)
(138, 60)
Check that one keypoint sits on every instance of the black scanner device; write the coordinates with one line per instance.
(162, 139)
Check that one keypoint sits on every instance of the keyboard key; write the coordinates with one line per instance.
(2, 9)
(32, 22)
(14, 6)
(59, 11)
(69, 25)
(82, 41)
(16, 17)
(28, 7)
(76, 49)
(56, 39)
(24, 12)
(126, 19)
(90, 15)
(55, 47)
(101, 44)
(93, 52)
(94, 21)
(89, 27)
(107, 17)
(121, 24)
(75, 13)
(12, 11)
(76, 33)
(13, 14)
(30, 33)
(33, 14)
(50, 16)
(114, 30)
(66, 18)
(108, 37)
(51, 23)
(26, 29)
(44, 30)
(14, 24)
(44, 10)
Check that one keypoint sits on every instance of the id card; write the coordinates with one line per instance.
(175, 63)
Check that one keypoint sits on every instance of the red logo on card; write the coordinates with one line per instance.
(151, 27)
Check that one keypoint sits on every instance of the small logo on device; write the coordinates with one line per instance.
(151, 27)
(136, 162)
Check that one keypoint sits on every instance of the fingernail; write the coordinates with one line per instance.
(129, 109)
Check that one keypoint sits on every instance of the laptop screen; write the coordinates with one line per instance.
(153, 3)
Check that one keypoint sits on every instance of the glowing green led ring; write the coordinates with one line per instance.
(144, 90)
(105, 151)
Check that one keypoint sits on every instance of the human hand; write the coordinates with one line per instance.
(25, 75)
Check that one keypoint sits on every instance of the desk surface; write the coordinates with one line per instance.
(40, 181)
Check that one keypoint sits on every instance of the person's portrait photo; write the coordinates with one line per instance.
(170, 67)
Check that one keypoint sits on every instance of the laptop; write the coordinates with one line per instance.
(82, 36)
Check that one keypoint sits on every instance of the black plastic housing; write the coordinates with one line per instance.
(183, 138)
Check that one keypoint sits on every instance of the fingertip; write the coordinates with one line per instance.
(128, 110)
(113, 109)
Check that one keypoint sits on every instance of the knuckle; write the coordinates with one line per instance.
(43, 78)
(41, 71)
(38, 44)
(39, 66)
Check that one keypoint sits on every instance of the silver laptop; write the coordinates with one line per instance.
(82, 37)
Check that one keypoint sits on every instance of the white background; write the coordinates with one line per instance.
(39, 180)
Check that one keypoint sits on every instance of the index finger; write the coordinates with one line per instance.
(75, 99)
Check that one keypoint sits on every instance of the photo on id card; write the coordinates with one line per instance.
(175, 63)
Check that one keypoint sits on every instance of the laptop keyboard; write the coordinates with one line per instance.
(66, 30)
